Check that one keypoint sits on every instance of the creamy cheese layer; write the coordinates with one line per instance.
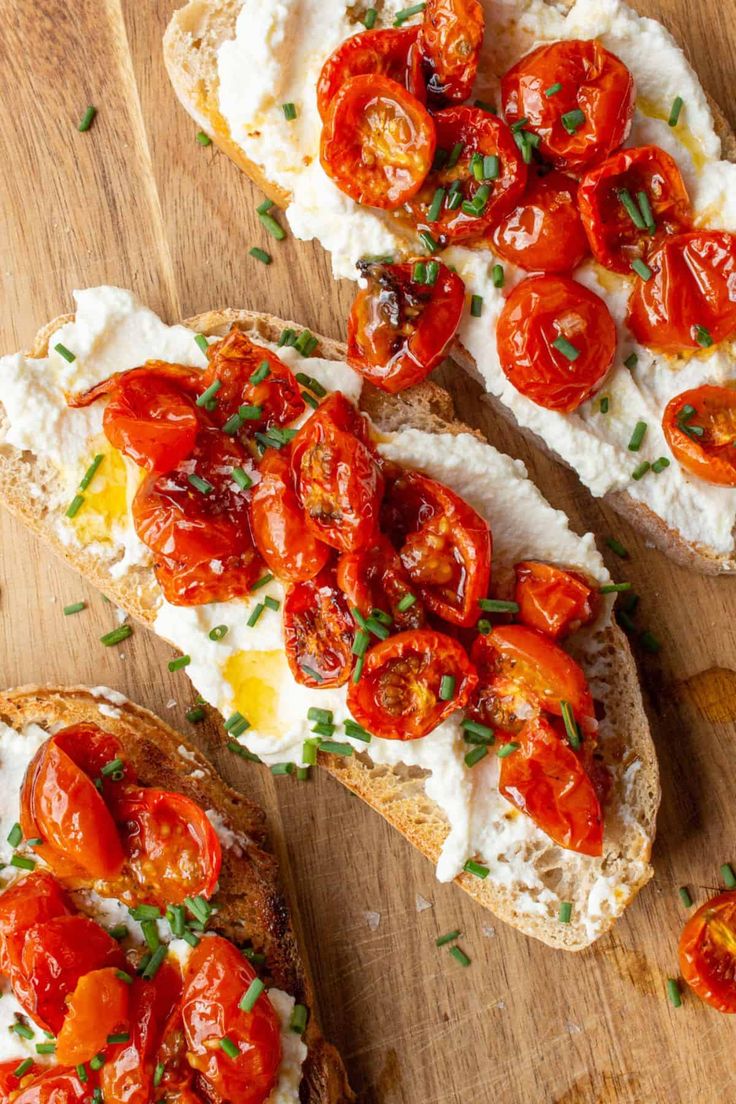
(276, 56)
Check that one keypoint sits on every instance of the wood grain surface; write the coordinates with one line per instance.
(136, 202)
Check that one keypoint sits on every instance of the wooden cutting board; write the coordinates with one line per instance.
(137, 202)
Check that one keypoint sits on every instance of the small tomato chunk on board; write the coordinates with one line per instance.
(544, 232)
(545, 779)
(450, 40)
(378, 142)
(410, 683)
(587, 117)
(690, 300)
(254, 382)
(319, 632)
(553, 601)
(401, 323)
(96, 1007)
(289, 549)
(700, 428)
(389, 53)
(631, 200)
(556, 341)
(375, 578)
(708, 952)
(479, 176)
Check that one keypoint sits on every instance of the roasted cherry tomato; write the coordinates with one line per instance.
(337, 477)
(544, 232)
(450, 42)
(400, 326)
(410, 683)
(700, 427)
(96, 1007)
(708, 952)
(444, 545)
(287, 546)
(275, 400)
(375, 578)
(151, 415)
(553, 601)
(690, 301)
(196, 520)
(216, 980)
(391, 53)
(56, 954)
(61, 805)
(318, 631)
(480, 170)
(378, 142)
(10, 1083)
(172, 850)
(521, 671)
(586, 118)
(632, 197)
(32, 900)
(55, 1086)
(556, 341)
(546, 780)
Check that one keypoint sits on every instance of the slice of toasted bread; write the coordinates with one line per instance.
(191, 42)
(397, 792)
(252, 910)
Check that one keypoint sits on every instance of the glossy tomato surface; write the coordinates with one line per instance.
(410, 683)
(690, 301)
(96, 1007)
(31, 900)
(275, 400)
(216, 980)
(450, 42)
(444, 545)
(391, 53)
(650, 178)
(556, 341)
(700, 427)
(10, 1083)
(544, 232)
(399, 329)
(588, 117)
(547, 780)
(318, 631)
(375, 578)
(553, 601)
(708, 952)
(288, 547)
(55, 1086)
(480, 170)
(378, 142)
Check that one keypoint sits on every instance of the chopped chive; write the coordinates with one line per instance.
(358, 669)
(121, 1037)
(158, 1074)
(498, 605)
(407, 13)
(625, 621)
(150, 934)
(685, 897)
(484, 627)
(180, 662)
(20, 862)
(604, 404)
(218, 633)
(75, 607)
(309, 752)
(476, 305)
(199, 908)
(282, 768)
(15, 835)
(327, 731)
(310, 400)
(571, 725)
(22, 1069)
(476, 868)
(629, 204)
(637, 436)
(23, 1030)
(202, 139)
(249, 413)
(191, 938)
(200, 484)
(450, 937)
(508, 749)
(195, 715)
(646, 209)
(333, 747)
(729, 878)
(233, 425)
(360, 643)
(202, 342)
(702, 336)
(436, 206)
(673, 992)
(236, 724)
(618, 548)
(565, 912)
(289, 110)
(660, 464)
(631, 361)
(298, 1020)
(82, 1072)
(356, 731)
(269, 223)
(428, 241)
(116, 636)
(248, 1000)
(650, 643)
(313, 384)
(491, 167)
(519, 125)
(475, 755)
(369, 19)
(262, 371)
(476, 733)
(271, 603)
(255, 957)
(460, 956)
(476, 166)
(91, 472)
(419, 273)
(433, 271)
(112, 767)
(229, 1047)
(485, 106)
(614, 588)
(75, 506)
(263, 581)
(573, 120)
(45, 1048)
(677, 106)
(87, 119)
(497, 276)
(264, 207)
(209, 394)
(306, 343)
(145, 912)
(320, 716)
(642, 269)
(238, 749)
(447, 688)
(406, 603)
(311, 672)
(255, 615)
(553, 89)
(122, 975)
(641, 470)
(566, 347)
(119, 931)
(260, 255)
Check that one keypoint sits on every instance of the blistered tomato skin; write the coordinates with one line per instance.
(690, 301)
(390, 52)
(556, 341)
(96, 1008)
(34, 899)
(399, 329)
(289, 549)
(319, 631)
(700, 428)
(553, 601)
(544, 232)
(274, 400)
(378, 142)
(708, 952)
(450, 42)
(588, 117)
(375, 578)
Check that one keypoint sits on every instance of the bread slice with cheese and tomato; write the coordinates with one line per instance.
(567, 164)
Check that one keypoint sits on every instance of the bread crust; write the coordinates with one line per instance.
(252, 909)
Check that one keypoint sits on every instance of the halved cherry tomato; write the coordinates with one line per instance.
(700, 427)
(553, 601)
(450, 42)
(151, 415)
(288, 547)
(547, 781)
(708, 952)
(444, 545)
(651, 180)
(61, 805)
(375, 578)
(216, 980)
(55, 1086)
(56, 954)
(179, 1081)
(410, 683)
(31, 900)
(337, 477)
(399, 329)
(690, 301)
(472, 142)
(378, 142)
(556, 341)
(10, 1083)
(391, 53)
(544, 233)
(522, 672)
(588, 117)
(172, 850)
(318, 632)
(232, 363)
(96, 1007)
(200, 532)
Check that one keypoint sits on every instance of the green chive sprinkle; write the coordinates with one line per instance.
(685, 897)
(455, 154)
(309, 752)
(195, 715)
(650, 643)
(419, 273)
(207, 398)
(75, 505)
(459, 956)
(360, 643)
(473, 867)
(282, 768)
(433, 271)
(75, 607)
(507, 749)
(729, 878)
(25, 1065)
(311, 673)
(46, 1048)
(703, 337)
(82, 1073)
(637, 436)
(119, 931)
(236, 724)
(200, 484)
(436, 206)
(180, 662)
(122, 975)
(260, 255)
(476, 305)
(497, 276)
(20, 862)
(202, 139)
(628, 203)
(660, 464)
(642, 269)
(313, 384)
(406, 603)
(320, 716)
(274, 228)
(573, 120)
(91, 472)
(242, 479)
(112, 767)
(476, 733)
(358, 669)
(23, 1030)
(673, 992)
(332, 747)
(566, 347)
(646, 209)
(571, 725)
(356, 731)
(369, 19)
(121, 1037)
(475, 755)
(484, 627)
(565, 912)
(428, 241)
(604, 404)
(158, 1074)
(677, 106)
(553, 89)
(498, 605)
(145, 912)
(447, 688)
(491, 167)
(218, 633)
(614, 588)
(631, 361)
(298, 1020)
(625, 621)
(255, 615)
(450, 937)
(202, 342)
(233, 425)
(641, 470)
(407, 13)
(289, 110)
(229, 1047)
(618, 548)
(64, 352)
(88, 118)
(251, 995)
(199, 908)
(116, 636)
(310, 400)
